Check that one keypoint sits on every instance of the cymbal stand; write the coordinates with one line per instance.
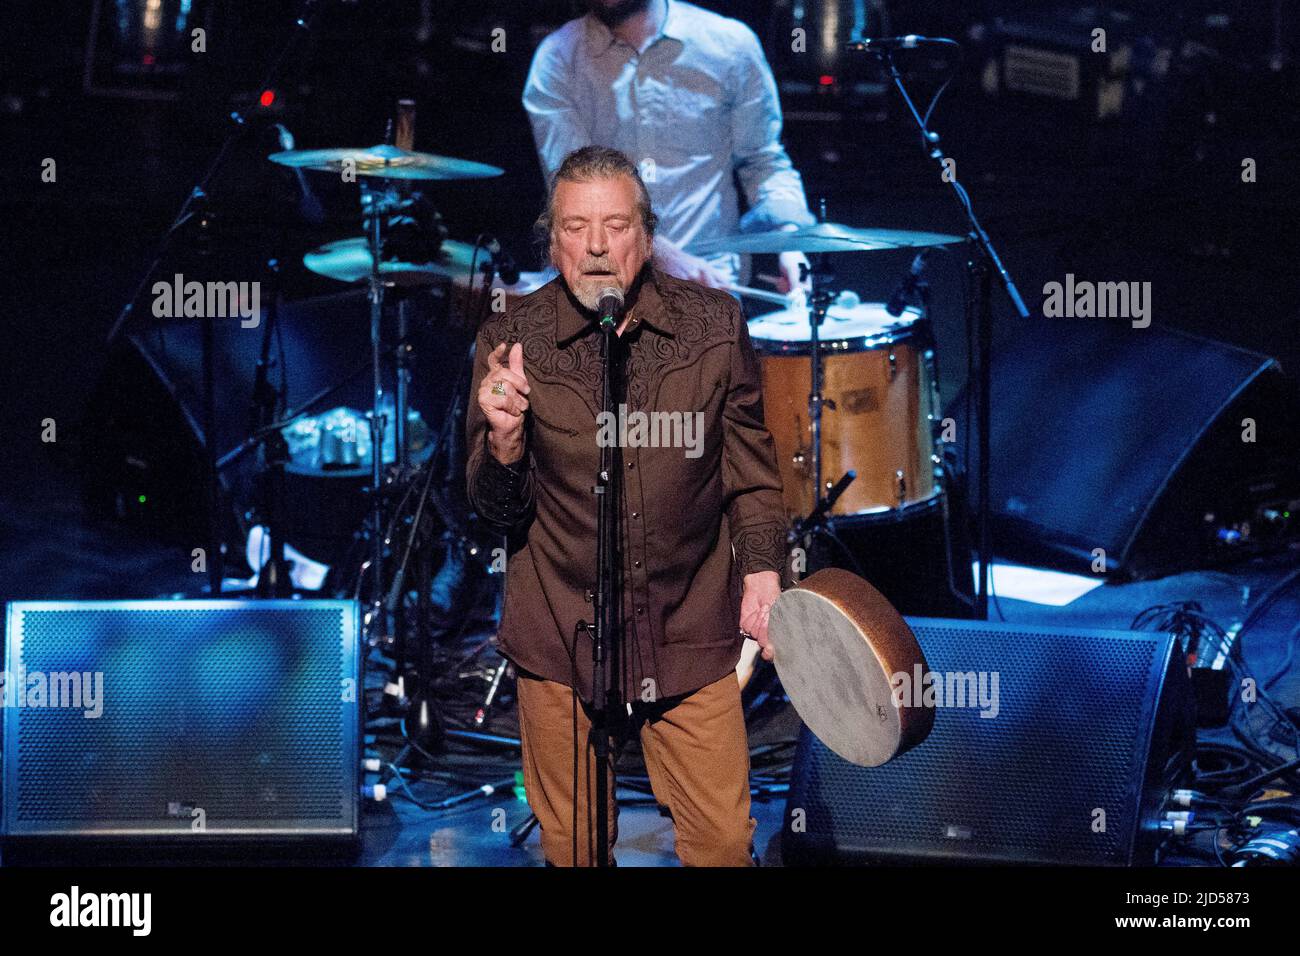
(821, 275)
(376, 205)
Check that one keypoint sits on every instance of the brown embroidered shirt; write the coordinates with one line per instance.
(693, 486)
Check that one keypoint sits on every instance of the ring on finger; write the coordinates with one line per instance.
(498, 388)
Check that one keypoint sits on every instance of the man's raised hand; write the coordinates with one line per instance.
(502, 395)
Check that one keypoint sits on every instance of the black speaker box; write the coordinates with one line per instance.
(197, 722)
(1132, 441)
(1062, 755)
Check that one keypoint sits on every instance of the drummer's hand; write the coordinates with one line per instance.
(686, 266)
(505, 412)
(761, 589)
(795, 272)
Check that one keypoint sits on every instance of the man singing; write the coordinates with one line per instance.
(532, 440)
(688, 95)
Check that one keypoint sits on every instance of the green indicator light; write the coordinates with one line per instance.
(141, 499)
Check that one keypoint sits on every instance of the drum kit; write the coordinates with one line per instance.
(850, 392)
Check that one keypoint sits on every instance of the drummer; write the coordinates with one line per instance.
(689, 95)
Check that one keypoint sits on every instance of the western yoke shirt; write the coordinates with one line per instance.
(689, 494)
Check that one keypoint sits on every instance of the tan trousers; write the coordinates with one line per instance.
(696, 752)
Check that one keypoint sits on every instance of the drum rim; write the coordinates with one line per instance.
(909, 333)
(908, 509)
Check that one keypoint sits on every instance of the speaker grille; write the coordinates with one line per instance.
(234, 709)
(1070, 738)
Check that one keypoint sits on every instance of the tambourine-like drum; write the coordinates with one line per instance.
(839, 647)
(880, 406)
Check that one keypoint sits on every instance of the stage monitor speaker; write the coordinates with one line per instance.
(1164, 450)
(203, 721)
(1050, 746)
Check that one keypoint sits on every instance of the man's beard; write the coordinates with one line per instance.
(588, 292)
(587, 289)
(613, 16)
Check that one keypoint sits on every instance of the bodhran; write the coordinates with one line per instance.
(838, 645)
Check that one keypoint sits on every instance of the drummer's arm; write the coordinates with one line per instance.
(553, 108)
(773, 187)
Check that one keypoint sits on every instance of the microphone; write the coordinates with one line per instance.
(905, 292)
(309, 204)
(609, 303)
(881, 44)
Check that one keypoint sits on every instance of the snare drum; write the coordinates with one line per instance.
(880, 407)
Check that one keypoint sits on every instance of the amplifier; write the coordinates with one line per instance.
(188, 720)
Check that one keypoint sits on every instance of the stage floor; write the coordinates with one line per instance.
(56, 552)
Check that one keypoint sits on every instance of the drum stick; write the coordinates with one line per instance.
(405, 136)
(761, 294)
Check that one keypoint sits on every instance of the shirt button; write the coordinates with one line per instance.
(631, 464)
(636, 515)
(640, 611)
(636, 564)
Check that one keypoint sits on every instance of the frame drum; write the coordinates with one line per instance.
(880, 406)
(837, 645)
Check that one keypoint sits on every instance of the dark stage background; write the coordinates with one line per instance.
(1154, 192)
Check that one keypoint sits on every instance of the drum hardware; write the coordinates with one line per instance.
(273, 578)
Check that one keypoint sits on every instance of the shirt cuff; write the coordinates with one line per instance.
(502, 491)
(776, 212)
(760, 548)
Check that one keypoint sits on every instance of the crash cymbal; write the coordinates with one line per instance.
(823, 237)
(348, 260)
(385, 161)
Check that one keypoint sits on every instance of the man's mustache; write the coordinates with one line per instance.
(596, 265)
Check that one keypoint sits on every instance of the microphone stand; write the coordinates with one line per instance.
(606, 634)
(983, 264)
(274, 577)
(192, 207)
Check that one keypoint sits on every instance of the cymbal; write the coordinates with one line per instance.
(385, 161)
(348, 260)
(823, 237)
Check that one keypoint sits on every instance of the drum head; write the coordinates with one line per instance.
(865, 320)
(837, 644)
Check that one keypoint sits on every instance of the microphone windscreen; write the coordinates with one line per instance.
(610, 300)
